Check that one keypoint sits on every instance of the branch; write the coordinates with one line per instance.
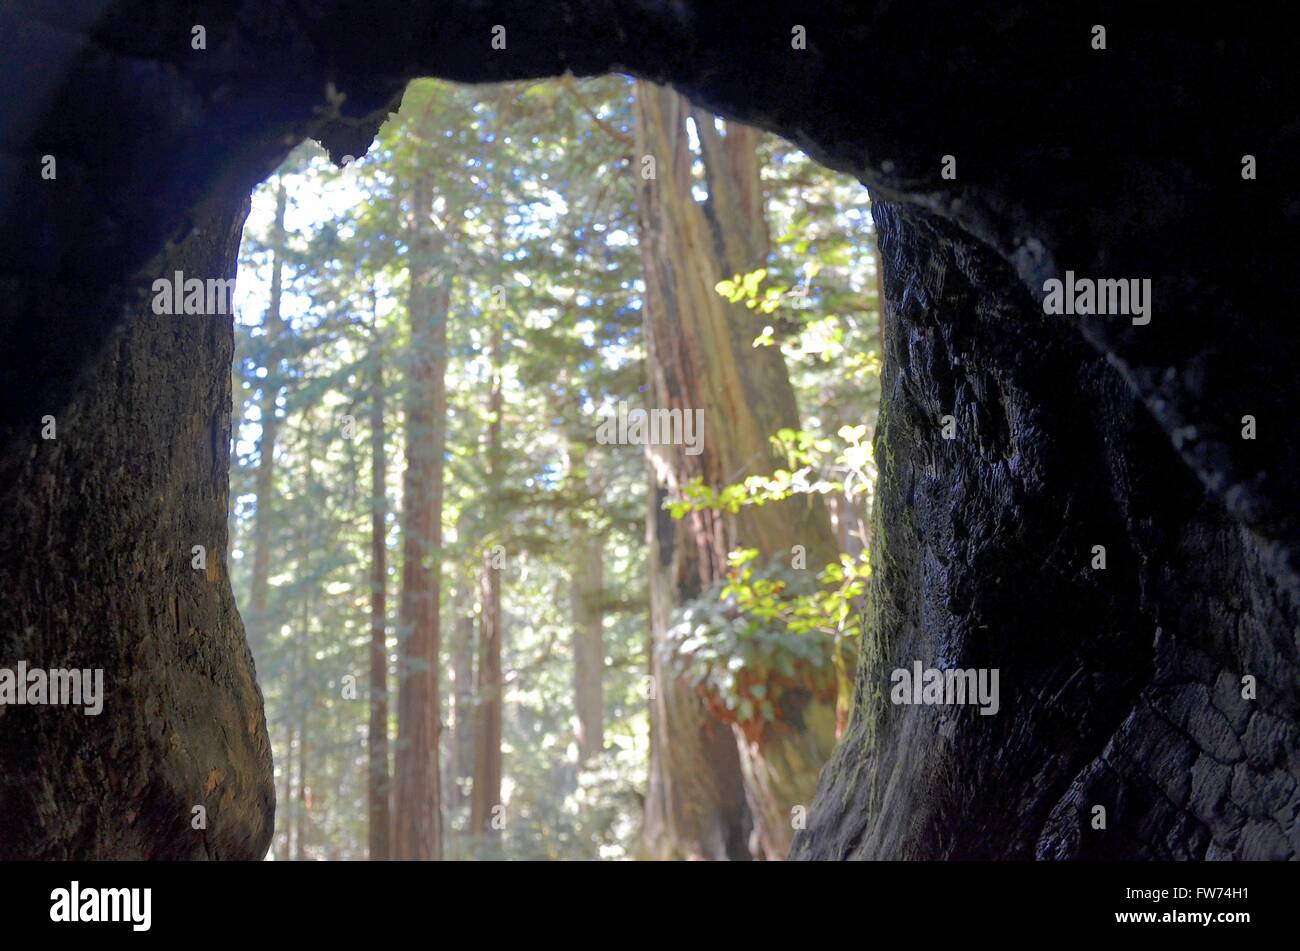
(572, 87)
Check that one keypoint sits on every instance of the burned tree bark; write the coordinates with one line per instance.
(1149, 717)
(181, 724)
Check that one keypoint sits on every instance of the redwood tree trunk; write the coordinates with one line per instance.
(303, 675)
(417, 806)
(588, 646)
(302, 818)
(264, 480)
(377, 739)
(460, 757)
(486, 793)
(487, 732)
(701, 356)
(588, 592)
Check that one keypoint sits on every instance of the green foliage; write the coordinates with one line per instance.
(744, 642)
(852, 473)
(768, 615)
(832, 608)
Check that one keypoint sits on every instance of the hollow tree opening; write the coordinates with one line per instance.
(1170, 699)
(571, 349)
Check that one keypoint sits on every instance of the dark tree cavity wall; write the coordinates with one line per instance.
(1120, 688)
(98, 536)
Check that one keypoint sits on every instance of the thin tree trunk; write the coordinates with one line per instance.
(486, 793)
(461, 751)
(702, 802)
(304, 790)
(588, 592)
(378, 786)
(257, 622)
(418, 808)
(303, 674)
(284, 843)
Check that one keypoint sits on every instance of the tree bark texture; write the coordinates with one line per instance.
(701, 356)
(417, 812)
(485, 801)
(377, 785)
(135, 478)
(587, 610)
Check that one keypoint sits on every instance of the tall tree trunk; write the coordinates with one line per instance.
(377, 739)
(461, 752)
(284, 841)
(588, 593)
(486, 793)
(303, 676)
(702, 802)
(304, 790)
(417, 807)
(257, 623)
